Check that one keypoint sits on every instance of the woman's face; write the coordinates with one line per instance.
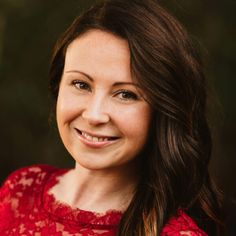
(102, 117)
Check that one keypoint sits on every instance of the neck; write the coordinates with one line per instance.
(98, 190)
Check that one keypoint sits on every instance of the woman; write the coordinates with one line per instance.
(130, 98)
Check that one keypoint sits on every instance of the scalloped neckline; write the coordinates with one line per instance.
(75, 216)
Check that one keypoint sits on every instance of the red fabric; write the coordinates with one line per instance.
(26, 208)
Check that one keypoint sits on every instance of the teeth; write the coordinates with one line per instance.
(90, 138)
(94, 139)
(102, 139)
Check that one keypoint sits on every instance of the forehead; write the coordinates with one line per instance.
(93, 36)
(100, 53)
(99, 43)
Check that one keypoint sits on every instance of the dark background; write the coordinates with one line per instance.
(28, 31)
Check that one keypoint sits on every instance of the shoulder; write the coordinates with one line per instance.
(182, 225)
(25, 178)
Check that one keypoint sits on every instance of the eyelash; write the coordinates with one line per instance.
(77, 84)
(131, 95)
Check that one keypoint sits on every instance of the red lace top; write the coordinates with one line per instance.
(26, 208)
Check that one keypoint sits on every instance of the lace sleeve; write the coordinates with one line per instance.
(12, 185)
(26, 208)
(22, 179)
(15, 195)
(182, 225)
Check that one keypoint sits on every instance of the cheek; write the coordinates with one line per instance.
(135, 122)
(67, 107)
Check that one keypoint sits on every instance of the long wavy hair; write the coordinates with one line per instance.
(167, 67)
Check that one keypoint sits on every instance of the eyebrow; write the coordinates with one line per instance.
(91, 79)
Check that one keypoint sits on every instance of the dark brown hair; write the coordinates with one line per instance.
(167, 67)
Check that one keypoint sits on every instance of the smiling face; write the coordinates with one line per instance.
(102, 117)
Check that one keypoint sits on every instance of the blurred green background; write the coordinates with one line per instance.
(28, 31)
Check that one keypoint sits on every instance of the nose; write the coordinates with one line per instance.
(96, 112)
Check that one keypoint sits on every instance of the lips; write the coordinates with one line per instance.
(98, 139)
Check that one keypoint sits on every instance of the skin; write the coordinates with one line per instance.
(103, 122)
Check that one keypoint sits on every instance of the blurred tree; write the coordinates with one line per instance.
(29, 29)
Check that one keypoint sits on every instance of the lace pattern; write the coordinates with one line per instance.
(26, 208)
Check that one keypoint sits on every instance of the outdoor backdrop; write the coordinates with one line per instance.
(28, 31)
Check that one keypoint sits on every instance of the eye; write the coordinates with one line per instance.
(126, 95)
(81, 85)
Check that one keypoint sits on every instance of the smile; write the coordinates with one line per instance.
(94, 140)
